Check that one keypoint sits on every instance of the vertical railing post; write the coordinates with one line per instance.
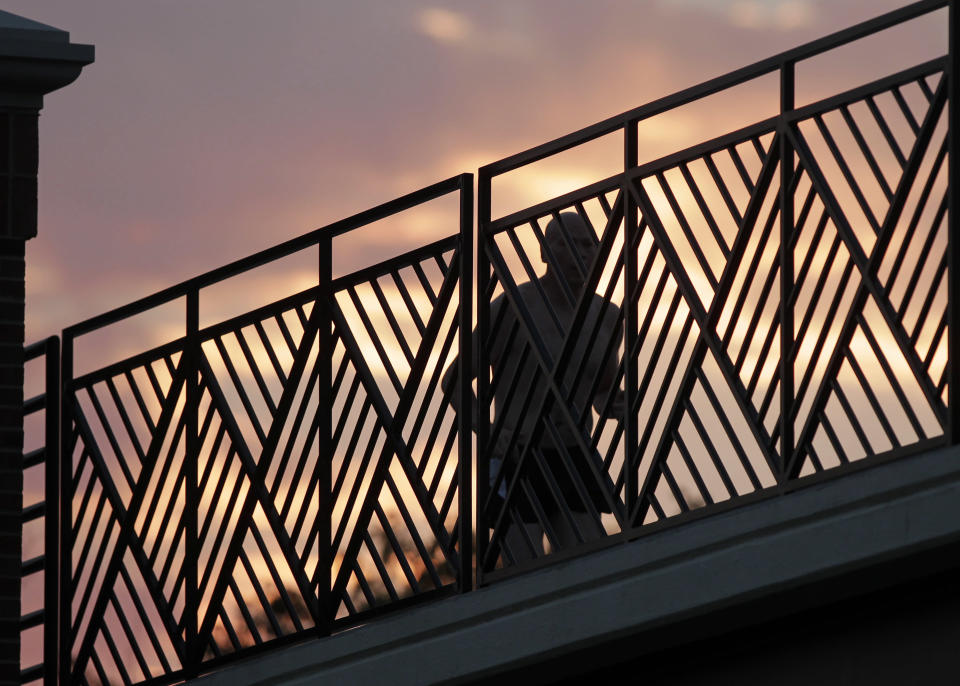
(630, 218)
(324, 610)
(953, 240)
(787, 91)
(65, 562)
(482, 367)
(466, 384)
(51, 498)
(191, 352)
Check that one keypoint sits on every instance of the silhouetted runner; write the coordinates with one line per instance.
(551, 308)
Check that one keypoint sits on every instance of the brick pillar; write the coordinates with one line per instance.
(35, 59)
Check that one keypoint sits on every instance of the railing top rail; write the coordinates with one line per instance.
(275, 252)
(712, 86)
(38, 348)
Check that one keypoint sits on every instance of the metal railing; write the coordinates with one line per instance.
(665, 379)
(731, 322)
(272, 476)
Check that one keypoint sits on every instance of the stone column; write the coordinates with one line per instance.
(35, 59)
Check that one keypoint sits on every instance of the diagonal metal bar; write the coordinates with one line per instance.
(398, 333)
(871, 397)
(408, 301)
(240, 390)
(741, 168)
(891, 376)
(722, 187)
(867, 152)
(255, 370)
(687, 231)
(906, 111)
(885, 130)
(921, 205)
(705, 209)
(848, 174)
(731, 433)
(829, 320)
(938, 275)
(268, 347)
(911, 286)
(711, 448)
(125, 418)
(382, 354)
(111, 437)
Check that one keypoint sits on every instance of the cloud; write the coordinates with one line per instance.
(508, 36)
(781, 15)
(756, 14)
(443, 25)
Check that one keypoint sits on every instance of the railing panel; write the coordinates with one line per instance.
(704, 342)
(709, 437)
(258, 477)
(871, 292)
(549, 385)
(127, 572)
(395, 461)
(787, 303)
(281, 474)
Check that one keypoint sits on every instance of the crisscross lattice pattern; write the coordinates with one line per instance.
(870, 297)
(200, 513)
(849, 196)
(395, 480)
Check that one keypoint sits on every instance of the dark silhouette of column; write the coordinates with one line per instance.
(35, 59)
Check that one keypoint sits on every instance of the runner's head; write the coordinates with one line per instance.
(565, 233)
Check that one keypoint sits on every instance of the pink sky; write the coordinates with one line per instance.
(207, 131)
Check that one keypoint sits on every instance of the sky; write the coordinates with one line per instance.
(206, 131)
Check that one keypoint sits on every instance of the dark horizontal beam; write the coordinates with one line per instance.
(32, 566)
(34, 404)
(32, 619)
(33, 512)
(34, 457)
(31, 674)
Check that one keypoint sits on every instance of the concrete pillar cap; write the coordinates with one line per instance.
(36, 59)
